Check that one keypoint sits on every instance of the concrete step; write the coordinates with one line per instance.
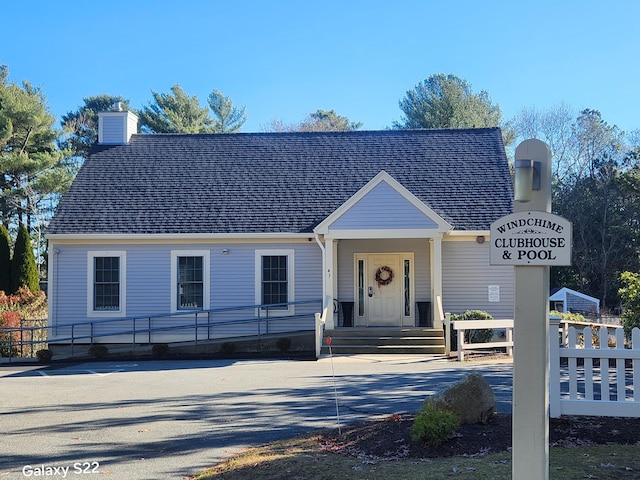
(383, 349)
(398, 341)
(338, 341)
(384, 332)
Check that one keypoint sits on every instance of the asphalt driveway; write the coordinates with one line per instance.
(169, 419)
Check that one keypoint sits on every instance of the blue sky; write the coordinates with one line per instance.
(285, 59)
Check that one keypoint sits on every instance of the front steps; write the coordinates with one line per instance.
(398, 341)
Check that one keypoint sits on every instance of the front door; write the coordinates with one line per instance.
(382, 279)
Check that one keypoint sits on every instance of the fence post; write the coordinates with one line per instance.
(509, 335)
(196, 333)
(555, 408)
(447, 334)
(10, 344)
(320, 323)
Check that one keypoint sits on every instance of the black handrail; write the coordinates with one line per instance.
(263, 315)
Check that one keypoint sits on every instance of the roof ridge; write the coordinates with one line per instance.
(400, 131)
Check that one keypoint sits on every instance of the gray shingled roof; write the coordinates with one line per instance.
(280, 182)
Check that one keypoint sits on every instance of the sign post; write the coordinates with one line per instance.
(531, 239)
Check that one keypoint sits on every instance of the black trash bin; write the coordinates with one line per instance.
(424, 314)
(347, 314)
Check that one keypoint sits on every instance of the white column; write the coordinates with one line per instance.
(435, 261)
(329, 281)
(530, 417)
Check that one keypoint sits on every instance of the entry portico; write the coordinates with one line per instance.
(382, 251)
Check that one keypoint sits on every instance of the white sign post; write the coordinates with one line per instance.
(531, 239)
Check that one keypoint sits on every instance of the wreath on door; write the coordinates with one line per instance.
(384, 276)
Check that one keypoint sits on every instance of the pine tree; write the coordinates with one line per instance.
(32, 167)
(174, 112)
(23, 266)
(82, 124)
(228, 118)
(5, 259)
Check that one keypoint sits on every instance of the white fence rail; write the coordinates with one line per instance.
(461, 325)
(593, 373)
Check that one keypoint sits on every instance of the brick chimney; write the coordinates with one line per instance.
(117, 126)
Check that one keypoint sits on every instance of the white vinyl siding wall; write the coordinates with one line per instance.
(149, 280)
(383, 207)
(466, 278)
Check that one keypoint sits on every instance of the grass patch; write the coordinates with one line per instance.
(303, 458)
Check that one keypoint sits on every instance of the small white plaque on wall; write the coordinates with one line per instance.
(494, 293)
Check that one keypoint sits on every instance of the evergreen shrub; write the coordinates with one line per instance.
(5, 260)
(24, 271)
(433, 425)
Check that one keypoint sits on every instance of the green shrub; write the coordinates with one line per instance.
(24, 271)
(472, 336)
(568, 316)
(159, 350)
(433, 425)
(98, 351)
(283, 344)
(630, 295)
(5, 260)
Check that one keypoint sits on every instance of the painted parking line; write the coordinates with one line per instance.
(99, 373)
(95, 369)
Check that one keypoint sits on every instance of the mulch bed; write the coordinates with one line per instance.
(389, 438)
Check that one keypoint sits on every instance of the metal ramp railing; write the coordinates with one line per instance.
(188, 326)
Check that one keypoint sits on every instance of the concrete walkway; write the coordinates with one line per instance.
(169, 419)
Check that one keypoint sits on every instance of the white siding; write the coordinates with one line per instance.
(116, 128)
(467, 275)
(383, 207)
(113, 130)
(148, 283)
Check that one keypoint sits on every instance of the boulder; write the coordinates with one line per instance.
(471, 399)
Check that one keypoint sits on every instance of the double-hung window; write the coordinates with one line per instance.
(274, 279)
(190, 280)
(190, 283)
(106, 281)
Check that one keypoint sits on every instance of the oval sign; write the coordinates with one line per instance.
(531, 238)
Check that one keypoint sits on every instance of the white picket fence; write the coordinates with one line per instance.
(593, 379)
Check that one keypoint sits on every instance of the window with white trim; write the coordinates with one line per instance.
(274, 279)
(190, 281)
(106, 283)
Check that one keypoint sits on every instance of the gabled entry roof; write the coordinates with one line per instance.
(282, 182)
(383, 208)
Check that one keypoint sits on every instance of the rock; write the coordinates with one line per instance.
(471, 399)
